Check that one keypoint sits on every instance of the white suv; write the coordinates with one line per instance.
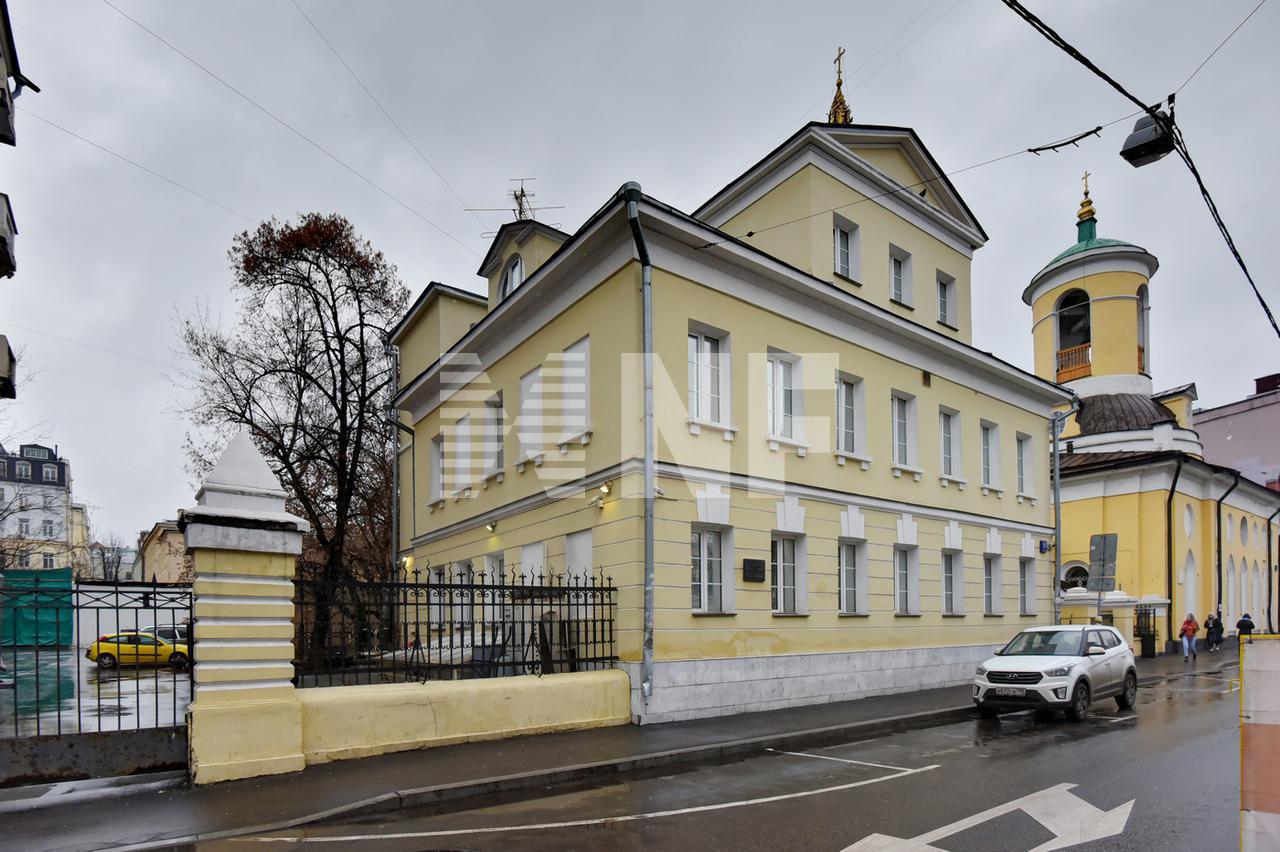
(1060, 667)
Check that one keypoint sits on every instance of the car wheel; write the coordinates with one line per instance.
(106, 661)
(1079, 709)
(1126, 699)
(178, 660)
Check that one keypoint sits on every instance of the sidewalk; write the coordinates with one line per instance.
(144, 817)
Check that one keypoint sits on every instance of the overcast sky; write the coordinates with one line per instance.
(583, 96)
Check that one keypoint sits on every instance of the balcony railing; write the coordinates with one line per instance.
(1073, 363)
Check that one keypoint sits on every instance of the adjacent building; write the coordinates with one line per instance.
(161, 555)
(1195, 533)
(1243, 434)
(40, 525)
(850, 498)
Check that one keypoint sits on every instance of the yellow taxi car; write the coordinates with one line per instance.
(130, 648)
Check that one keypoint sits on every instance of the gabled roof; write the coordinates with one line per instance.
(11, 50)
(517, 231)
(844, 137)
(432, 290)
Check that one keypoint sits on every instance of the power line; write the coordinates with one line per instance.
(85, 344)
(1219, 47)
(284, 123)
(1167, 123)
(891, 39)
(913, 40)
(383, 110)
(136, 164)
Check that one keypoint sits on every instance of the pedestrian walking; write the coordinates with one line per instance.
(1245, 626)
(1212, 632)
(1188, 634)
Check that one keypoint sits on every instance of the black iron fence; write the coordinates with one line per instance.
(90, 657)
(452, 624)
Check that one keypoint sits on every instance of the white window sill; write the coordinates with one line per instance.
(863, 461)
(581, 439)
(777, 441)
(1029, 498)
(992, 489)
(778, 614)
(859, 614)
(946, 480)
(696, 425)
(437, 503)
(493, 476)
(463, 492)
(899, 469)
(535, 459)
(711, 613)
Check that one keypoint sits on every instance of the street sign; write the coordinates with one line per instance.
(1101, 584)
(1102, 569)
(1102, 547)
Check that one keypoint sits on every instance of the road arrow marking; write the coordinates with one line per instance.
(1071, 819)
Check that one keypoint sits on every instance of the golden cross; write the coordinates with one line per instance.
(1086, 183)
(838, 61)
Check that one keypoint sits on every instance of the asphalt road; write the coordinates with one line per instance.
(1164, 776)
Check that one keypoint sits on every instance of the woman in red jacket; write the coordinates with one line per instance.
(1188, 633)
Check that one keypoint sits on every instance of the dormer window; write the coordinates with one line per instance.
(513, 275)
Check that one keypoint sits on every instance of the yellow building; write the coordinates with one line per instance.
(848, 497)
(162, 555)
(1192, 536)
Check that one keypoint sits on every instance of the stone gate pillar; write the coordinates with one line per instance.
(245, 718)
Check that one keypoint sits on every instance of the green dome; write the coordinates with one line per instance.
(1087, 231)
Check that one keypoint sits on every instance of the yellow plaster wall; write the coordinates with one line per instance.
(1113, 324)
(433, 331)
(806, 244)
(360, 721)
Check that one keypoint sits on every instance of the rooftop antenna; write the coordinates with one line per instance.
(524, 208)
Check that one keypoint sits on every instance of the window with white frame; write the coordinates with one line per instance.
(906, 581)
(991, 585)
(952, 582)
(950, 443)
(46, 528)
(708, 375)
(35, 452)
(24, 526)
(577, 552)
(24, 560)
(575, 381)
(903, 408)
(781, 380)
(853, 577)
(946, 299)
(496, 453)
(990, 455)
(706, 564)
(900, 275)
(49, 472)
(1023, 447)
(22, 469)
(844, 248)
(533, 562)
(47, 562)
(1027, 586)
(513, 275)
(784, 571)
(849, 414)
(437, 468)
(461, 453)
(529, 425)
(4, 468)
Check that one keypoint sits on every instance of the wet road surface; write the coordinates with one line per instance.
(1162, 777)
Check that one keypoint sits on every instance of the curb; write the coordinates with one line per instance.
(36, 797)
(702, 755)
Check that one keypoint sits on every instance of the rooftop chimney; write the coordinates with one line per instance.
(1267, 383)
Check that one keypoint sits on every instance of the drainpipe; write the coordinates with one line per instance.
(630, 192)
(1271, 592)
(1168, 547)
(1218, 541)
(1056, 423)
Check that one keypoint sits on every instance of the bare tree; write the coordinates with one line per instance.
(304, 371)
(106, 558)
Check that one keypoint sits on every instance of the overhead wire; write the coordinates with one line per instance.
(900, 50)
(313, 143)
(104, 149)
(1219, 47)
(1166, 122)
(351, 71)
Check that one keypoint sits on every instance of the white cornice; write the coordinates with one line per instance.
(1092, 262)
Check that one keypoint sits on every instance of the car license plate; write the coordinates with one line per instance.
(1010, 691)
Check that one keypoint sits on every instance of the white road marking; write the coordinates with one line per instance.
(577, 823)
(1071, 819)
(838, 759)
(1114, 719)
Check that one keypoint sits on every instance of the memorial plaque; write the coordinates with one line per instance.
(753, 571)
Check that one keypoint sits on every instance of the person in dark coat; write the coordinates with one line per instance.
(1212, 632)
(1245, 626)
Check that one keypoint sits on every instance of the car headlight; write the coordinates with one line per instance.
(1062, 671)
(981, 672)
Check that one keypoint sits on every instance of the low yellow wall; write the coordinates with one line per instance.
(360, 721)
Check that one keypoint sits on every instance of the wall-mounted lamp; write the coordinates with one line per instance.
(605, 488)
(491, 526)
(597, 501)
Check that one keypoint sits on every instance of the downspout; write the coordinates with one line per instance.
(1271, 591)
(630, 193)
(1168, 547)
(1056, 423)
(393, 417)
(1217, 556)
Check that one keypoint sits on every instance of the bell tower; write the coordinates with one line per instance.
(1089, 309)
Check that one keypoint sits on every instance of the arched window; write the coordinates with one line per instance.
(1075, 576)
(1144, 350)
(512, 275)
(1190, 584)
(1073, 319)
